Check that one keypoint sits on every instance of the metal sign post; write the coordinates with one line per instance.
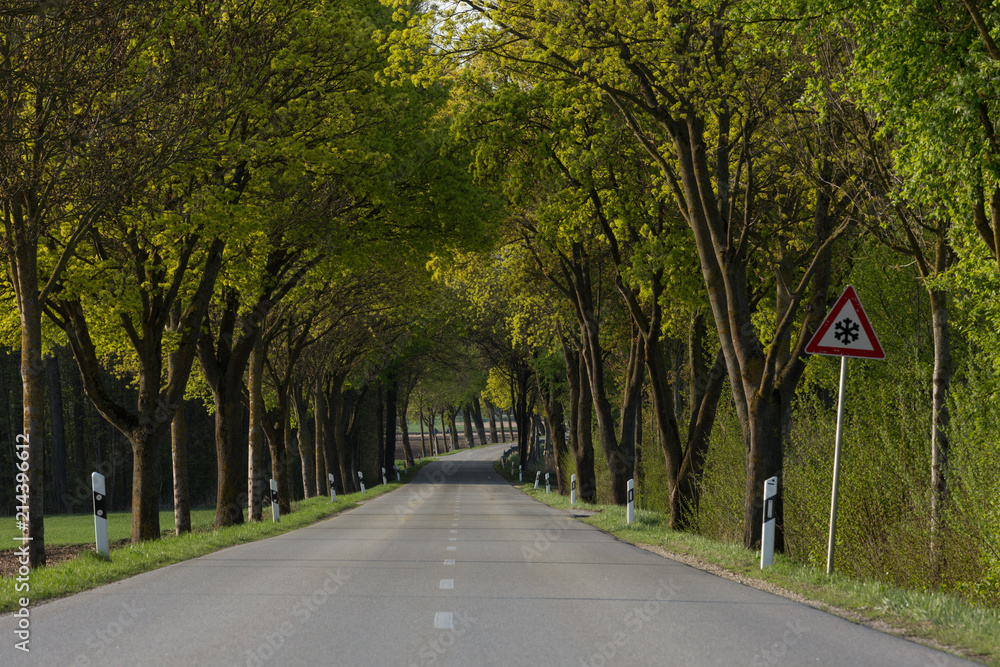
(831, 542)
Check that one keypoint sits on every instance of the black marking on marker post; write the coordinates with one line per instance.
(769, 509)
(631, 495)
(100, 505)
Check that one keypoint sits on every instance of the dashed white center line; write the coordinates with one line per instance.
(452, 548)
(450, 561)
(444, 620)
(454, 531)
(448, 584)
(453, 539)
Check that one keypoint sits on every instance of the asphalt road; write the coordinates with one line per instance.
(456, 568)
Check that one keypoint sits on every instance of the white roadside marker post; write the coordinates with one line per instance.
(396, 470)
(100, 514)
(361, 477)
(538, 476)
(572, 490)
(630, 509)
(548, 489)
(384, 482)
(767, 532)
(520, 473)
(275, 512)
(333, 489)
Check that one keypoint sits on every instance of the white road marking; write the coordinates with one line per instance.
(452, 548)
(444, 620)
(450, 561)
(448, 584)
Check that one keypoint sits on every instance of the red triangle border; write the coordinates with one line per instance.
(815, 348)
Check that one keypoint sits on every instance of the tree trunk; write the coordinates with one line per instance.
(519, 399)
(58, 431)
(765, 454)
(291, 456)
(402, 409)
(619, 450)
(432, 445)
(179, 460)
(145, 484)
(391, 394)
(555, 416)
(307, 445)
(939, 427)
(338, 428)
(684, 455)
(325, 463)
(533, 438)
(470, 440)
(583, 449)
(423, 446)
(619, 453)
(30, 444)
(444, 433)
(503, 433)
(453, 428)
(274, 432)
(229, 500)
(381, 460)
(477, 416)
(256, 481)
(491, 412)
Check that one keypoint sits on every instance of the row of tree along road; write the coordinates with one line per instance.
(329, 218)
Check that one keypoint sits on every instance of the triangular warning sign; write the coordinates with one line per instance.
(846, 331)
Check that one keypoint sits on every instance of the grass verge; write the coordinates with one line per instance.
(937, 619)
(88, 570)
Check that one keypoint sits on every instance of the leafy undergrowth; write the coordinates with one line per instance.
(88, 570)
(938, 619)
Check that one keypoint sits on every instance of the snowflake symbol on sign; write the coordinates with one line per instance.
(846, 331)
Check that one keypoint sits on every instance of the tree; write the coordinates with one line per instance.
(102, 92)
(704, 100)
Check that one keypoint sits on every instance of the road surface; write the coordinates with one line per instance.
(455, 568)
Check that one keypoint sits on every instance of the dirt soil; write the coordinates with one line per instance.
(53, 556)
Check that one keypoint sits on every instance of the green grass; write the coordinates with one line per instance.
(89, 570)
(79, 528)
(937, 618)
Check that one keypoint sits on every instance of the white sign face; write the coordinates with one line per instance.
(846, 331)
